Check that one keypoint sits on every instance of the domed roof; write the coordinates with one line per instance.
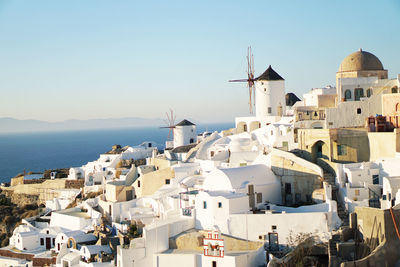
(360, 60)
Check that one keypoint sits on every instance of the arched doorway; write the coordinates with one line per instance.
(319, 150)
(254, 125)
(241, 127)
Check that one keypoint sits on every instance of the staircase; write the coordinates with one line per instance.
(343, 215)
(334, 260)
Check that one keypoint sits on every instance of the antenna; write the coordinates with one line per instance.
(250, 78)
(170, 122)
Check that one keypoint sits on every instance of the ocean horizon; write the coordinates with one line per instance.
(39, 151)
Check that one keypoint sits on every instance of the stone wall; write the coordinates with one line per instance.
(303, 177)
(379, 235)
(74, 184)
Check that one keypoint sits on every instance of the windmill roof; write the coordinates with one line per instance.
(269, 75)
(185, 123)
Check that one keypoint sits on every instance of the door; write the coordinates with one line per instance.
(273, 241)
(48, 243)
(288, 194)
(250, 193)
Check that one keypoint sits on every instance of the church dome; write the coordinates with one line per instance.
(361, 60)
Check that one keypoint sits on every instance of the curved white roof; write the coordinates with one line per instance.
(237, 178)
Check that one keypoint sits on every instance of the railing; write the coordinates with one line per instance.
(374, 200)
(187, 211)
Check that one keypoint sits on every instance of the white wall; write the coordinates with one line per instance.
(213, 215)
(183, 134)
(69, 222)
(251, 226)
(27, 242)
(270, 94)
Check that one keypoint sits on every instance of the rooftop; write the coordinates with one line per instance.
(269, 75)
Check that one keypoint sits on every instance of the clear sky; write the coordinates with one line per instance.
(108, 59)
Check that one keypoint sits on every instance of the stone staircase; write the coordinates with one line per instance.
(334, 260)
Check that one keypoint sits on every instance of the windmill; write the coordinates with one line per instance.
(170, 122)
(250, 78)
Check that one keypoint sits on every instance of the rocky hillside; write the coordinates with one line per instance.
(11, 215)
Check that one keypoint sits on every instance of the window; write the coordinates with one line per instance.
(212, 153)
(341, 150)
(191, 140)
(41, 241)
(260, 237)
(204, 205)
(47, 232)
(269, 110)
(54, 241)
(347, 95)
(167, 181)
(149, 144)
(384, 197)
(138, 183)
(273, 227)
(369, 92)
(390, 196)
(70, 245)
(357, 192)
(358, 93)
(219, 204)
(375, 179)
(265, 89)
(394, 90)
(62, 237)
(245, 127)
(359, 111)
(214, 264)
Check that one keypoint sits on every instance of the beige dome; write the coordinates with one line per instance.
(360, 60)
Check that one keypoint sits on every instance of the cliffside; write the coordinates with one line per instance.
(12, 210)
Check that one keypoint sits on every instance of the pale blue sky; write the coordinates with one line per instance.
(103, 59)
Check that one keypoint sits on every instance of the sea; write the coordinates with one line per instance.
(39, 151)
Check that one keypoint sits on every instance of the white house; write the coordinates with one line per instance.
(26, 240)
(390, 195)
(214, 207)
(89, 252)
(63, 237)
(47, 236)
(72, 219)
(256, 180)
